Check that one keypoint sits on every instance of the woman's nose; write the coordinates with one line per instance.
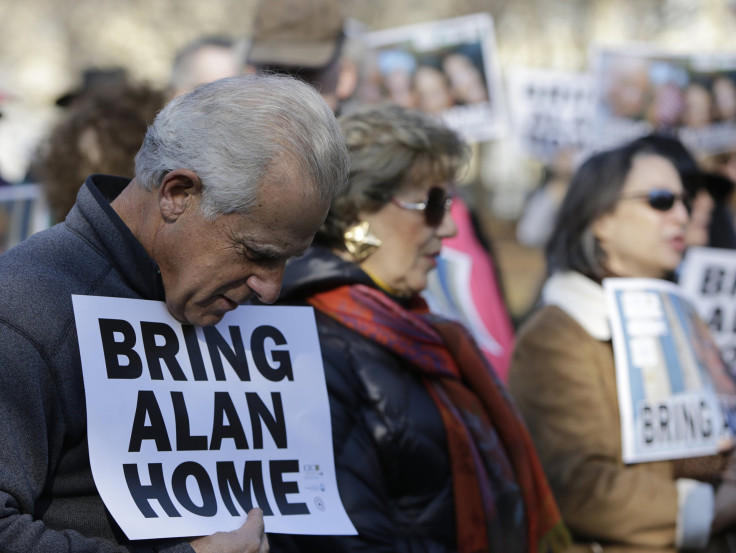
(447, 227)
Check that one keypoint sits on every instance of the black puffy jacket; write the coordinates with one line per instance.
(391, 456)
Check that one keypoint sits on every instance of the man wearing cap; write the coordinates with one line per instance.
(303, 38)
(221, 199)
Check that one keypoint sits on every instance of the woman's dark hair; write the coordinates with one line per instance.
(721, 232)
(594, 191)
(674, 150)
(390, 147)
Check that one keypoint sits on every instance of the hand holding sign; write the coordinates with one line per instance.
(249, 538)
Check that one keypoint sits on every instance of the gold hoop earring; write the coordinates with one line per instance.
(360, 241)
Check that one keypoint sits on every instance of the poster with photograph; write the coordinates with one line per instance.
(551, 111)
(675, 392)
(447, 68)
(23, 211)
(641, 90)
(708, 278)
(189, 428)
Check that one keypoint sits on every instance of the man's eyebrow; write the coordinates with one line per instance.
(265, 252)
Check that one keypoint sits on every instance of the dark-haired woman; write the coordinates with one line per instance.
(624, 215)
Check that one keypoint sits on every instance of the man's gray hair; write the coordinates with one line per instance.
(232, 132)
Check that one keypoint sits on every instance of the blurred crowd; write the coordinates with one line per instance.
(458, 425)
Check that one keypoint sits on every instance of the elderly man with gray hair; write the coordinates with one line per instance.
(232, 180)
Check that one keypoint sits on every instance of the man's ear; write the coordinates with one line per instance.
(180, 190)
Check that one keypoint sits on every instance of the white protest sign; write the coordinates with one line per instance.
(708, 277)
(550, 110)
(665, 372)
(189, 427)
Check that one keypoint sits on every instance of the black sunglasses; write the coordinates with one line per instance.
(661, 200)
(437, 203)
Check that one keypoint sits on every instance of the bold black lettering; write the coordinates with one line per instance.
(282, 358)
(281, 488)
(715, 321)
(664, 419)
(114, 350)
(146, 404)
(646, 418)
(216, 344)
(224, 408)
(179, 485)
(252, 480)
(142, 494)
(712, 281)
(275, 422)
(706, 424)
(184, 439)
(194, 353)
(156, 353)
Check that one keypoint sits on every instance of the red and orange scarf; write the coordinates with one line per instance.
(489, 446)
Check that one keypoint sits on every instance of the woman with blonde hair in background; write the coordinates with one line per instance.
(430, 454)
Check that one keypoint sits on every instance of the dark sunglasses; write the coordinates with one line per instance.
(437, 203)
(661, 200)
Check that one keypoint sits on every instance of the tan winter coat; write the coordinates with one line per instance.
(563, 380)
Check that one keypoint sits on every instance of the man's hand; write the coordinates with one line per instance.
(249, 538)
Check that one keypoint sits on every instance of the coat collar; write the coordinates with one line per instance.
(582, 299)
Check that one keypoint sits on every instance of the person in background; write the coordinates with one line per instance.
(304, 39)
(204, 60)
(432, 89)
(430, 454)
(100, 133)
(624, 215)
(221, 199)
(710, 222)
(466, 80)
(540, 212)
(397, 69)
(92, 79)
(724, 98)
(698, 109)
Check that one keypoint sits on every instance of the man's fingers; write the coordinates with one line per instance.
(254, 521)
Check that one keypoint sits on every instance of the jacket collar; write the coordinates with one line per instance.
(582, 299)
(319, 269)
(95, 221)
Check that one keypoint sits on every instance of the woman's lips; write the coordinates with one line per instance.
(677, 243)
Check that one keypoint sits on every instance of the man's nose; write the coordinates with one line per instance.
(266, 285)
